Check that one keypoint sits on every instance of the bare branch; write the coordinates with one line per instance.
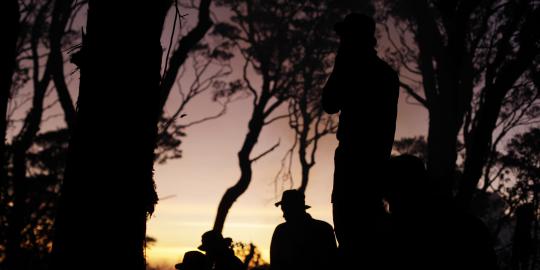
(276, 118)
(217, 115)
(285, 171)
(248, 82)
(413, 94)
(266, 152)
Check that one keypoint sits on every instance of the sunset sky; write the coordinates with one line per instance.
(193, 185)
(209, 166)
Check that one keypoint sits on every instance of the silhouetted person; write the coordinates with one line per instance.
(364, 89)
(523, 246)
(427, 232)
(301, 242)
(194, 260)
(219, 252)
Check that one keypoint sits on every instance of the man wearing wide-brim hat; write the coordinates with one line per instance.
(194, 260)
(301, 242)
(219, 252)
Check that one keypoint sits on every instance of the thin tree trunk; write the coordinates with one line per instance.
(185, 46)
(233, 193)
(108, 189)
(488, 113)
(60, 16)
(302, 152)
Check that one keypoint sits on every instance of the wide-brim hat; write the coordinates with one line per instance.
(213, 239)
(193, 260)
(292, 197)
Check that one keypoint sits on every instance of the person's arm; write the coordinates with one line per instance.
(331, 91)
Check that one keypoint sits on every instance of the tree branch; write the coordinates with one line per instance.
(276, 118)
(266, 152)
(413, 94)
(179, 56)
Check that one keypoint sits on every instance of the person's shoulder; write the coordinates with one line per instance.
(390, 72)
(281, 227)
(386, 68)
(322, 225)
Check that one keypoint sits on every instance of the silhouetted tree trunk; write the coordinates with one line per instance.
(60, 16)
(265, 99)
(169, 131)
(256, 123)
(108, 190)
(498, 85)
(522, 243)
(448, 93)
(21, 144)
(306, 117)
(271, 36)
(186, 44)
(9, 29)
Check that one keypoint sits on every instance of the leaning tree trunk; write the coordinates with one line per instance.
(233, 193)
(255, 126)
(108, 189)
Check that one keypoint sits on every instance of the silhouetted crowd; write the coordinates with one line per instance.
(387, 213)
(418, 230)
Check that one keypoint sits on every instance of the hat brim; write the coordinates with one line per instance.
(280, 203)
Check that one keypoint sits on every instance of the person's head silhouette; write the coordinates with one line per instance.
(357, 28)
(293, 205)
(214, 244)
(193, 260)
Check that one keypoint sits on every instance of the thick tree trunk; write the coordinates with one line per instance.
(441, 163)
(9, 29)
(108, 189)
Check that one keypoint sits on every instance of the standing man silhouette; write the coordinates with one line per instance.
(301, 242)
(364, 89)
